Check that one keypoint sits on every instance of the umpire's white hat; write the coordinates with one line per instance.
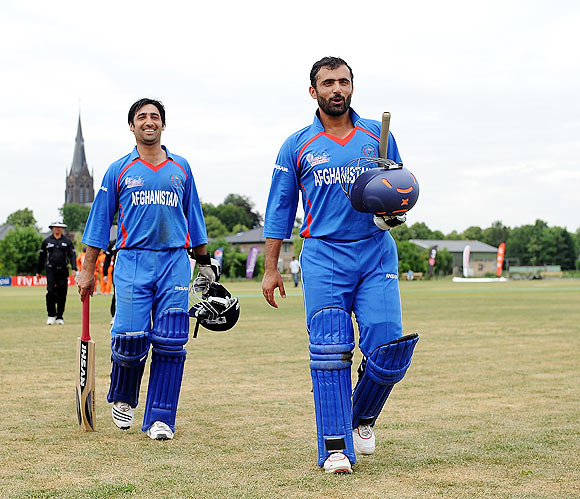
(57, 224)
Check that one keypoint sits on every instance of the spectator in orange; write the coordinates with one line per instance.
(99, 269)
(81, 259)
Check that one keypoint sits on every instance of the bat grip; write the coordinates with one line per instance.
(384, 139)
(85, 334)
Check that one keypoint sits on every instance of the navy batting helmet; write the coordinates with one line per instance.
(384, 191)
(213, 306)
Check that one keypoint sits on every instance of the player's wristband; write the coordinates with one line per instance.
(203, 259)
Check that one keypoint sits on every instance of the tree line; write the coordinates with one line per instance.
(536, 244)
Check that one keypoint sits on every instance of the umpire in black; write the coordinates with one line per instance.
(56, 251)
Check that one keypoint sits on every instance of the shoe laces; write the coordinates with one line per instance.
(365, 431)
(160, 425)
(123, 406)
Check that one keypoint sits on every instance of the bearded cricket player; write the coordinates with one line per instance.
(349, 266)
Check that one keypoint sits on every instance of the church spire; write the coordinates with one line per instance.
(79, 162)
(79, 181)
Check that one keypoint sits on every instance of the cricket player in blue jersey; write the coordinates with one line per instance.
(349, 265)
(159, 218)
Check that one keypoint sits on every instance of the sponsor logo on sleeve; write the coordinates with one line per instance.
(103, 188)
(281, 168)
(391, 276)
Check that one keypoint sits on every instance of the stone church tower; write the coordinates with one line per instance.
(79, 181)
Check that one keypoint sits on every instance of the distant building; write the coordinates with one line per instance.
(79, 181)
(482, 258)
(255, 237)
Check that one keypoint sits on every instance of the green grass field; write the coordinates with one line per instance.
(489, 408)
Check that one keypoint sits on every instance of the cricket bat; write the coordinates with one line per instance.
(85, 374)
(384, 142)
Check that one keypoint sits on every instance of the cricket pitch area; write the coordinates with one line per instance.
(489, 407)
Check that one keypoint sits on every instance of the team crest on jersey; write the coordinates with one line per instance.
(317, 159)
(175, 180)
(369, 151)
(131, 182)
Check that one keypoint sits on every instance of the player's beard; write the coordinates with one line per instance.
(331, 108)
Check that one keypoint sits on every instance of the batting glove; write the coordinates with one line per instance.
(209, 268)
(387, 223)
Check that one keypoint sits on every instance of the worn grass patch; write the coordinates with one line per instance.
(489, 407)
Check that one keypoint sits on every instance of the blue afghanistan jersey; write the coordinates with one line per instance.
(158, 206)
(313, 162)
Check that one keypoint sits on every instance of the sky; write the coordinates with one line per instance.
(483, 96)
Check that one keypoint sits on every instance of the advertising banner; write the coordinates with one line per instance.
(5, 281)
(219, 256)
(251, 261)
(432, 257)
(500, 257)
(32, 280)
(466, 253)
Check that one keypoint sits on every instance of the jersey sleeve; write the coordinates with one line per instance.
(284, 193)
(98, 227)
(41, 258)
(393, 150)
(71, 255)
(193, 211)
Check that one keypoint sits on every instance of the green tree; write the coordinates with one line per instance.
(22, 218)
(239, 228)
(539, 244)
(496, 234)
(236, 212)
(473, 233)
(247, 205)
(419, 230)
(75, 216)
(19, 251)
(517, 245)
(231, 215)
(401, 233)
(564, 253)
(443, 263)
(214, 227)
(412, 257)
(454, 236)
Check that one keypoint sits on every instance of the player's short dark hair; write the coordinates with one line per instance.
(143, 102)
(327, 62)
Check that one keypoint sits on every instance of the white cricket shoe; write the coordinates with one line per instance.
(337, 462)
(364, 439)
(59, 322)
(159, 431)
(122, 415)
(50, 321)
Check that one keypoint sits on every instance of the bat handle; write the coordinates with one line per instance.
(384, 142)
(86, 335)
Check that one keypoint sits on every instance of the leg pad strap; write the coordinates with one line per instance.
(385, 366)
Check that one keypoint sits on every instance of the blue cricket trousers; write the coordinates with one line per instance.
(360, 277)
(147, 283)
